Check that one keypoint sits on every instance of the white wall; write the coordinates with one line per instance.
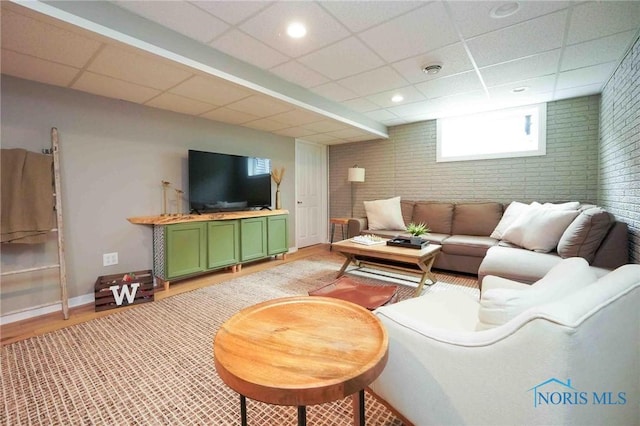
(113, 156)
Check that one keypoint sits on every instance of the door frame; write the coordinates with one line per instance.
(323, 189)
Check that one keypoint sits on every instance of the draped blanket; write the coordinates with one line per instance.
(27, 196)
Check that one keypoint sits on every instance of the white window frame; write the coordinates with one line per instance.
(541, 130)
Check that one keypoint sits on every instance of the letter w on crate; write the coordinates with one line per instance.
(115, 291)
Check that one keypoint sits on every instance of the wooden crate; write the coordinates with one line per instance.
(105, 298)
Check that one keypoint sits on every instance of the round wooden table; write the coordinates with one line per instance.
(301, 351)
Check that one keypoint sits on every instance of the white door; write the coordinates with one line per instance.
(311, 193)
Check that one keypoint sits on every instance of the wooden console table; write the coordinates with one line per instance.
(301, 351)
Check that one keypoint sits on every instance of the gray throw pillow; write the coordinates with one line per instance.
(585, 234)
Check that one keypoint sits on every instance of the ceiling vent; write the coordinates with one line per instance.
(432, 69)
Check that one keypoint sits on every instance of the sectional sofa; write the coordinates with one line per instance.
(472, 240)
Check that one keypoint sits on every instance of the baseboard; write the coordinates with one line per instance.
(37, 311)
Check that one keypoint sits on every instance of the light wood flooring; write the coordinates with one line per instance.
(31, 327)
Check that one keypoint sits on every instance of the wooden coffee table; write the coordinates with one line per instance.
(381, 256)
(301, 351)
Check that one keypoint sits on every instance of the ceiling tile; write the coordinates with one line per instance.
(232, 12)
(575, 92)
(297, 73)
(297, 117)
(360, 105)
(409, 93)
(294, 132)
(270, 26)
(261, 106)
(525, 39)
(246, 48)
(347, 133)
(265, 124)
(36, 69)
(227, 115)
(474, 17)
(342, 59)
(381, 115)
(453, 58)
(590, 20)
(320, 138)
(410, 109)
(606, 49)
(376, 81)
(113, 88)
(325, 126)
(395, 121)
(533, 85)
(520, 69)
(144, 70)
(179, 104)
(179, 16)
(451, 85)
(335, 92)
(32, 37)
(211, 89)
(586, 76)
(422, 30)
(360, 15)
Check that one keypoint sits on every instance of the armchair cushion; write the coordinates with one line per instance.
(384, 214)
(499, 305)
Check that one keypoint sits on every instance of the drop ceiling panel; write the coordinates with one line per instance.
(342, 59)
(421, 30)
(36, 69)
(297, 117)
(325, 126)
(382, 115)
(574, 92)
(525, 39)
(113, 88)
(32, 37)
(361, 105)
(375, 81)
(447, 86)
(294, 132)
(260, 106)
(266, 125)
(227, 115)
(211, 90)
(180, 16)
(297, 73)
(179, 104)
(453, 58)
(136, 68)
(521, 69)
(585, 76)
(335, 92)
(246, 48)
(409, 93)
(591, 20)
(534, 86)
(360, 15)
(607, 49)
(232, 12)
(270, 26)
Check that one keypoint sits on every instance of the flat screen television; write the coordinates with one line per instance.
(224, 182)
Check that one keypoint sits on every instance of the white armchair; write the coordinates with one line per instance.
(574, 360)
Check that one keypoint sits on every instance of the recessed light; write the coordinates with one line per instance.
(504, 10)
(432, 69)
(520, 89)
(397, 98)
(296, 30)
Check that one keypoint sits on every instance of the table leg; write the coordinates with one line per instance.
(243, 410)
(357, 400)
(333, 229)
(426, 273)
(302, 415)
(348, 260)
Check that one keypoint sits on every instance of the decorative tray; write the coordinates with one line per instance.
(406, 242)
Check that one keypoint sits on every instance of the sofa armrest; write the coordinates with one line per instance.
(491, 281)
(355, 226)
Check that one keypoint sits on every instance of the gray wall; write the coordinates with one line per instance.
(405, 165)
(619, 177)
(113, 156)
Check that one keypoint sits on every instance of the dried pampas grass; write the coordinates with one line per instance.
(277, 175)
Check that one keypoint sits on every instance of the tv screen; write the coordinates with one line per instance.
(224, 182)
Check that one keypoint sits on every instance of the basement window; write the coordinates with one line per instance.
(513, 132)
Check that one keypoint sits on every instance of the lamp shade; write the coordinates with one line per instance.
(356, 174)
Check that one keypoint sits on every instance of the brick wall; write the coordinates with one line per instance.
(619, 168)
(405, 165)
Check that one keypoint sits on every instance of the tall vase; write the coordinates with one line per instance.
(278, 202)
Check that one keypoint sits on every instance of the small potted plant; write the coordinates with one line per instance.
(417, 230)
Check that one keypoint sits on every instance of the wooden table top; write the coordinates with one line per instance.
(300, 350)
(401, 254)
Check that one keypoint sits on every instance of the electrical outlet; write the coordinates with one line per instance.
(109, 259)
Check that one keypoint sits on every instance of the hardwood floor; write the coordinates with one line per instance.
(21, 330)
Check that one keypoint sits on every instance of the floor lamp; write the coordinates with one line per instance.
(356, 174)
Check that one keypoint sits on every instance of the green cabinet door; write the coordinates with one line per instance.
(223, 243)
(185, 249)
(278, 231)
(253, 238)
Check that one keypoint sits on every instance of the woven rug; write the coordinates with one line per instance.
(153, 364)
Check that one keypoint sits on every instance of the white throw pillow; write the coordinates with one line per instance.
(539, 229)
(571, 205)
(513, 211)
(384, 214)
(499, 305)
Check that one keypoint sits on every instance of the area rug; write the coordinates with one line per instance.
(153, 364)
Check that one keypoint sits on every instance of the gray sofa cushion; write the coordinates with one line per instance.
(437, 216)
(468, 245)
(584, 235)
(476, 218)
